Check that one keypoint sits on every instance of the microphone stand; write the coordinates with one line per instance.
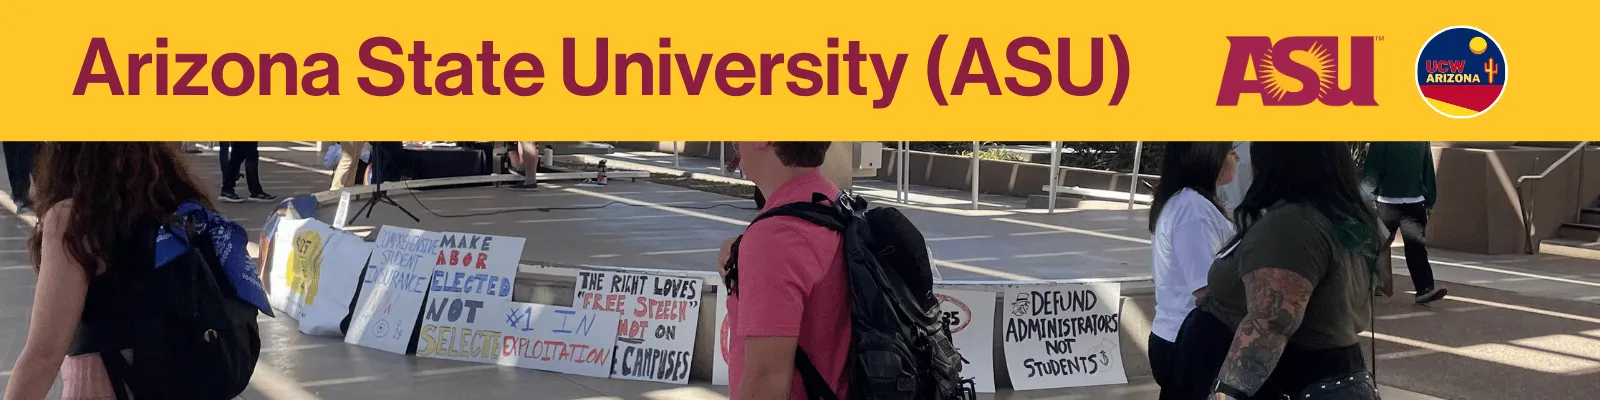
(379, 159)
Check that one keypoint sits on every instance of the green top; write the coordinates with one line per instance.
(1401, 169)
(1298, 238)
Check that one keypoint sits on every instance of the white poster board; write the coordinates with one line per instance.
(1063, 335)
(971, 318)
(279, 289)
(557, 339)
(341, 214)
(659, 314)
(471, 289)
(329, 278)
(719, 365)
(398, 276)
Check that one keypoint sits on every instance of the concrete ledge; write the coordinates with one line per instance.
(1097, 194)
(1570, 249)
(552, 283)
(615, 163)
(400, 186)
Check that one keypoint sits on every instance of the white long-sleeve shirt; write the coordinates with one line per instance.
(1188, 234)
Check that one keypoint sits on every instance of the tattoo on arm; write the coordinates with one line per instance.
(1277, 302)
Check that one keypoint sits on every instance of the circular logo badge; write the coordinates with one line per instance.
(1461, 72)
(955, 312)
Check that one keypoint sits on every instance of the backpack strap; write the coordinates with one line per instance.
(117, 371)
(817, 212)
(816, 386)
(730, 279)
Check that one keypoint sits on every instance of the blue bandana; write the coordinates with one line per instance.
(229, 240)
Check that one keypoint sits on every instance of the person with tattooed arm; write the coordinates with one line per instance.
(1288, 296)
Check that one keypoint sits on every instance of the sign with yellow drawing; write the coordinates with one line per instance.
(305, 265)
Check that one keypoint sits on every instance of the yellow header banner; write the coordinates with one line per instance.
(821, 70)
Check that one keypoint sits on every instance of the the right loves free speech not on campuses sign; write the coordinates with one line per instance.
(831, 70)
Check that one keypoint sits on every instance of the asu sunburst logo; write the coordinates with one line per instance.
(1296, 71)
(1278, 83)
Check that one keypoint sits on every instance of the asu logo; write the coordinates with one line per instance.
(1295, 71)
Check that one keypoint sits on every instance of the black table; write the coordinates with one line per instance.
(446, 163)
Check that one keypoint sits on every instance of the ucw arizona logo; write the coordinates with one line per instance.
(1296, 71)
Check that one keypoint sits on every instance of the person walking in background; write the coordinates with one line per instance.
(243, 154)
(790, 292)
(349, 165)
(1401, 175)
(1289, 295)
(1187, 228)
(222, 157)
(525, 162)
(19, 169)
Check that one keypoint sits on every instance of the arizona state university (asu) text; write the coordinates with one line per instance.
(844, 69)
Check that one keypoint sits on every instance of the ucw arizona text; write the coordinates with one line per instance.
(1295, 71)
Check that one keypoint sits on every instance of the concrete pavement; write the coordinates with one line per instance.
(1519, 336)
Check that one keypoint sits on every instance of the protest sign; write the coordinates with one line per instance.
(1063, 335)
(278, 255)
(659, 314)
(719, 364)
(343, 211)
(971, 318)
(471, 289)
(558, 339)
(329, 272)
(398, 273)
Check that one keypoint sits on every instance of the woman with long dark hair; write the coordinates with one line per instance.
(100, 205)
(1288, 296)
(1187, 227)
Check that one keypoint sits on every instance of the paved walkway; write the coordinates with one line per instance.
(1511, 331)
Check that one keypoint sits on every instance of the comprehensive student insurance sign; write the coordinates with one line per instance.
(721, 70)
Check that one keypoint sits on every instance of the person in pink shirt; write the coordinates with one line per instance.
(791, 285)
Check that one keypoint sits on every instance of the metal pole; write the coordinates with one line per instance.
(899, 172)
(722, 157)
(903, 172)
(905, 181)
(974, 175)
(675, 152)
(1133, 182)
(1055, 173)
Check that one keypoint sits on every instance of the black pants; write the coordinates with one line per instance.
(1203, 345)
(242, 154)
(1412, 221)
(19, 169)
(1161, 357)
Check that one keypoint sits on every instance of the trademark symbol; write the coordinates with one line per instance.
(1379, 38)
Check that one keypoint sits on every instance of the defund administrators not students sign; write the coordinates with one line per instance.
(659, 314)
(398, 273)
(463, 317)
(1062, 336)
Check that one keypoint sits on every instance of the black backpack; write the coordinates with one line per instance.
(900, 345)
(192, 337)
